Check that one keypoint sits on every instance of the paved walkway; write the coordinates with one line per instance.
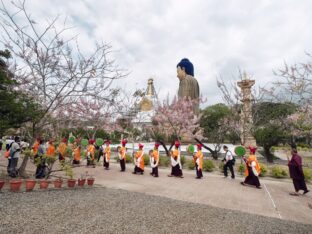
(273, 200)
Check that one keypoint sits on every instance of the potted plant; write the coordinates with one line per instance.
(58, 183)
(15, 185)
(81, 180)
(43, 184)
(69, 172)
(90, 181)
(2, 182)
(30, 184)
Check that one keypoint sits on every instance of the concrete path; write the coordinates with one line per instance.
(273, 200)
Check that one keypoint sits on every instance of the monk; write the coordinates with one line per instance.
(36, 147)
(198, 161)
(62, 149)
(91, 153)
(188, 86)
(107, 154)
(51, 149)
(252, 169)
(154, 160)
(296, 172)
(77, 155)
(176, 166)
(139, 161)
(122, 155)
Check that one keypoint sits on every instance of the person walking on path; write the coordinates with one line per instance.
(154, 160)
(107, 154)
(176, 166)
(252, 169)
(198, 161)
(139, 161)
(15, 151)
(62, 150)
(122, 155)
(296, 172)
(228, 162)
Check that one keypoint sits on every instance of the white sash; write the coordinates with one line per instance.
(139, 159)
(176, 162)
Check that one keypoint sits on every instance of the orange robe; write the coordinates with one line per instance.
(199, 158)
(139, 156)
(36, 147)
(122, 152)
(155, 156)
(252, 158)
(50, 150)
(62, 149)
(77, 154)
(107, 153)
(91, 150)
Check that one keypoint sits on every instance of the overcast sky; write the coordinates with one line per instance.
(219, 36)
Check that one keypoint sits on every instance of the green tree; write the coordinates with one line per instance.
(16, 107)
(270, 127)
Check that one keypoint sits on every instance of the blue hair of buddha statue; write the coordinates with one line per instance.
(187, 65)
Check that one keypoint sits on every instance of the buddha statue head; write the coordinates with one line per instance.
(184, 67)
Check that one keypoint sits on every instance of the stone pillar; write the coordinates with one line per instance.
(246, 115)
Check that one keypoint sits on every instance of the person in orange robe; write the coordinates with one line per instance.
(62, 149)
(252, 169)
(91, 153)
(154, 158)
(139, 161)
(198, 161)
(51, 149)
(176, 166)
(36, 147)
(107, 154)
(122, 155)
(77, 155)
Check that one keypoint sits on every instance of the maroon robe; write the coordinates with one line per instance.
(296, 172)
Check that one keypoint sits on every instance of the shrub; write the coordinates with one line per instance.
(278, 172)
(263, 170)
(307, 174)
(164, 161)
(129, 159)
(146, 159)
(183, 160)
(190, 164)
(208, 165)
(241, 168)
(221, 165)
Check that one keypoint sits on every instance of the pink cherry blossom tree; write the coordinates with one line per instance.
(51, 65)
(176, 120)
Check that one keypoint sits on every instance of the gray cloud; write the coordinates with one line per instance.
(150, 37)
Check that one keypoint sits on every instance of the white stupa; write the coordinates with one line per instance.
(147, 108)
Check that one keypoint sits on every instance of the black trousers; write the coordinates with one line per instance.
(199, 172)
(99, 156)
(229, 165)
(122, 164)
(12, 167)
(61, 158)
(76, 162)
(251, 179)
(138, 170)
(176, 170)
(105, 164)
(155, 171)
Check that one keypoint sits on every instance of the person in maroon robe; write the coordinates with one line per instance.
(296, 172)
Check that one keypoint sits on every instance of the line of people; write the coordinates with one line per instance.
(252, 171)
